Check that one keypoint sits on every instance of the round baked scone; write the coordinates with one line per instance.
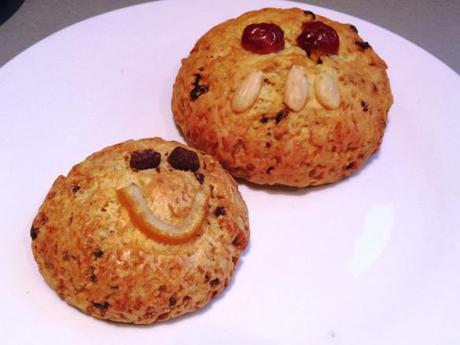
(283, 96)
(140, 232)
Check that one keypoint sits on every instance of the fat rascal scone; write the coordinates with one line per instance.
(283, 96)
(140, 232)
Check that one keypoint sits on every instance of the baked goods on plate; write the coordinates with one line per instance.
(283, 96)
(140, 232)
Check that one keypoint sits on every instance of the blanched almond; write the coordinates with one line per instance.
(132, 199)
(247, 92)
(327, 91)
(296, 89)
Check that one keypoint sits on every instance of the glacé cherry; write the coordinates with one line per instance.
(263, 38)
(319, 38)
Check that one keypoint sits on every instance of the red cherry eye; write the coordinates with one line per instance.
(319, 38)
(263, 38)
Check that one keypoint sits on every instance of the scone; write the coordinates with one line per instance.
(140, 232)
(283, 96)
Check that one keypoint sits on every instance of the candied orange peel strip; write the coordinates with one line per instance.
(132, 199)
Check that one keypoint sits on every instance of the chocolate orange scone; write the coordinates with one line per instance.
(140, 232)
(284, 96)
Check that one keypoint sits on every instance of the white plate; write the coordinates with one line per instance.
(371, 260)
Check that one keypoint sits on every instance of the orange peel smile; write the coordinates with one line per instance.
(133, 200)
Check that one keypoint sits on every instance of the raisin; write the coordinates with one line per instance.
(219, 211)
(197, 79)
(363, 45)
(172, 301)
(364, 106)
(183, 159)
(75, 188)
(350, 165)
(98, 253)
(214, 282)
(34, 233)
(269, 170)
(199, 177)
(93, 276)
(198, 89)
(163, 316)
(144, 159)
(240, 241)
(310, 13)
(101, 306)
(281, 115)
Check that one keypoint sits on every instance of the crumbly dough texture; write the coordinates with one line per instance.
(268, 143)
(92, 255)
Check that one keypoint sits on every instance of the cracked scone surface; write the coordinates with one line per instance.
(269, 143)
(92, 254)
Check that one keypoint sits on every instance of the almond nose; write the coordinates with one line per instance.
(296, 89)
(327, 91)
(247, 92)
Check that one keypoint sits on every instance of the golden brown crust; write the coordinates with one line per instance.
(89, 251)
(270, 144)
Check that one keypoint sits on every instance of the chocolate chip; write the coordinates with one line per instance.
(214, 282)
(310, 13)
(199, 177)
(144, 159)
(364, 106)
(34, 233)
(183, 159)
(219, 211)
(319, 61)
(172, 301)
(101, 306)
(281, 115)
(363, 45)
(98, 253)
(269, 170)
(353, 28)
(75, 188)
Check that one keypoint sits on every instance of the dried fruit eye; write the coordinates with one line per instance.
(319, 38)
(144, 159)
(263, 38)
(183, 159)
